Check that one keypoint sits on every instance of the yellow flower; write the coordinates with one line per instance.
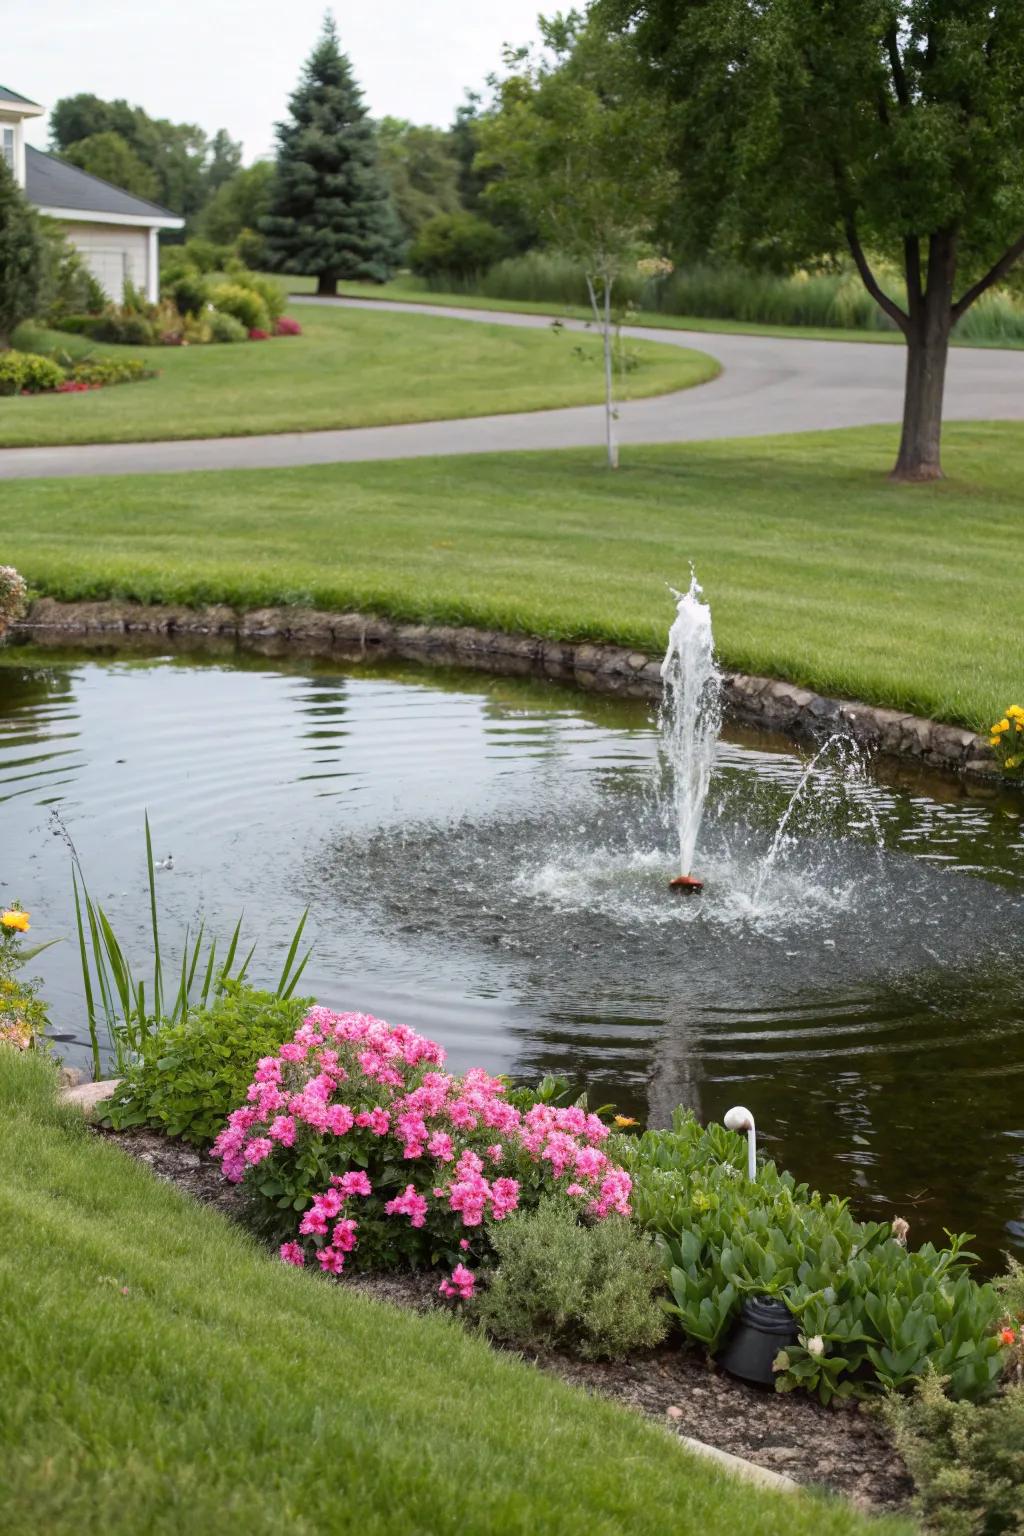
(15, 919)
(1000, 725)
(623, 1120)
(1015, 712)
(994, 741)
(1013, 762)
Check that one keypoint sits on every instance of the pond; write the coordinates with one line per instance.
(486, 860)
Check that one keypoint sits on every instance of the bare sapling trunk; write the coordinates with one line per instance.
(327, 285)
(603, 317)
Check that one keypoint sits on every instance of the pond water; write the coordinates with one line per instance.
(486, 860)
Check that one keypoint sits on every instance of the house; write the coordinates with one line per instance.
(118, 234)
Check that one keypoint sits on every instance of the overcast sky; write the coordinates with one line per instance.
(232, 63)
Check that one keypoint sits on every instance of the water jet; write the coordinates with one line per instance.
(689, 720)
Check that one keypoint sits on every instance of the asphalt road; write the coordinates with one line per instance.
(768, 385)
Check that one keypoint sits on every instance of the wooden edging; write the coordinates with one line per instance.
(758, 701)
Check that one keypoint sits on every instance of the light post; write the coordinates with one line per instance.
(740, 1119)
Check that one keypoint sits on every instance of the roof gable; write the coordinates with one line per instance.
(53, 183)
(11, 98)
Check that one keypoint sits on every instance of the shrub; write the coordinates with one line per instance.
(967, 1460)
(74, 325)
(455, 244)
(267, 288)
(205, 255)
(561, 1284)
(257, 335)
(354, 1107)
(123, 328)
(286, 326)
(191, 1073)
(251, 248)
(224, 327)
(69, 288)
(244, 304)
(27, 373)
(1006, 738)
(189, 293)
(872, 1314)
(110, 370)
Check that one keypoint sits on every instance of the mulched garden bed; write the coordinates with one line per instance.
(841, 1448)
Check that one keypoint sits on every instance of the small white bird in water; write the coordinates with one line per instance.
(167, 863)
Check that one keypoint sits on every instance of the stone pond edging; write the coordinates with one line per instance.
(757, 701)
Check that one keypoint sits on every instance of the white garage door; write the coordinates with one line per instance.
(109, 269)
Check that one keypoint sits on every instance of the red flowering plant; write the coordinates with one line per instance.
(286, 326)
(354, 1142)
(256, 334)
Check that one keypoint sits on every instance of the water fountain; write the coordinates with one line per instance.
(690, 719)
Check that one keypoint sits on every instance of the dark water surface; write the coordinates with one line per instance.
(485, 860)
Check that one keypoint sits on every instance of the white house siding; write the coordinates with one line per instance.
(112, 253)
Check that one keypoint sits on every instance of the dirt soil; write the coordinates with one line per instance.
(841, 1448)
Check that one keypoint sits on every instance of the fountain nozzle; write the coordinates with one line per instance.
(687, 884)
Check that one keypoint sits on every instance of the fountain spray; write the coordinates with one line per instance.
(690, 719)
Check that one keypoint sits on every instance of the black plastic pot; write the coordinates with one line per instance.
(765, 1325)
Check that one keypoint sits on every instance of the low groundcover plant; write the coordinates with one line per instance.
(1006, 738)
(354, 1141)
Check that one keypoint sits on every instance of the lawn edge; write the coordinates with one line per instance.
(763, 702)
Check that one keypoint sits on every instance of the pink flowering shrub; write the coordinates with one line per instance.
(286, 326)
(354, 1141)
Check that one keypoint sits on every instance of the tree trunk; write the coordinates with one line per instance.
(931, 321)
(327, 285)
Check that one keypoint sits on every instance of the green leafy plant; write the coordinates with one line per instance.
(191, 1073)
(872, 1314)
(110, 370)
(243, 303)
(225, 328)
(28, 373)
(122, 327)
(189, 293)
(966, 1459)
(563, 1284)
(23, 1015)
(116, 996)
(458, 246)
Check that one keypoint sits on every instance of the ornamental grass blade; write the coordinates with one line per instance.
(293, 983)
(157, 977)
(290, 959)
(90, 1002)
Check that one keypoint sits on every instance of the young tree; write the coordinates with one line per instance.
(421, 170)
(22, 256)
(331, 213)
(581, 150)
(882, 126)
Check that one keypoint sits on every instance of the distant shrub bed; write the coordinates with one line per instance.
(720, 291)
(30, 373)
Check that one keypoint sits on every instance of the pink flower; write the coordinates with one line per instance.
(575, 1189)
(314, 1221)
(496, 1152)
(259, 1148)
(376, 1120)
(504, 1198)
(464, 1244)
(330, 1202)
(353, 1183)
(344, 1235)
(461, 1284)
(410, 1204)
(291, 1253)
(440, 1146)
(340, 1119)
(282, 1129)
(331, 1261)
(294, 1052)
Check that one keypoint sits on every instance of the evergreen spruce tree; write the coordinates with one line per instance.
(22, 256)
(330, 212)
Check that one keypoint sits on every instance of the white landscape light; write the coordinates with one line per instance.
(740, 1119)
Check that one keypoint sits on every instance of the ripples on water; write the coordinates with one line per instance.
(486, 861)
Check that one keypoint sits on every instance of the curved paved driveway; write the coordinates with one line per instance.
(768, 385)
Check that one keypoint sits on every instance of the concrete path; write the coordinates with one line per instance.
(768, 385)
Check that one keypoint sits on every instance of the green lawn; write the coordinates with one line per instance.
(817, 567)
(162, 1374)
(350, 368)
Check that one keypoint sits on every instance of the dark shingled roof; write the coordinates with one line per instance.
(21, 101)
(52, 183)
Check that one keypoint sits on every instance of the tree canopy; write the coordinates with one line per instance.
(22, 256)
(885, 127)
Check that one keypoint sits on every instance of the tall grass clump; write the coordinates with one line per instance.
(132, 1007)
(726, 291)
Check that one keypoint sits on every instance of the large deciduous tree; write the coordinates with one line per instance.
(576, 147)
(891, 128)
(331, 213)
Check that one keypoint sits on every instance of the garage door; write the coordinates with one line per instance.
(108, 268)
